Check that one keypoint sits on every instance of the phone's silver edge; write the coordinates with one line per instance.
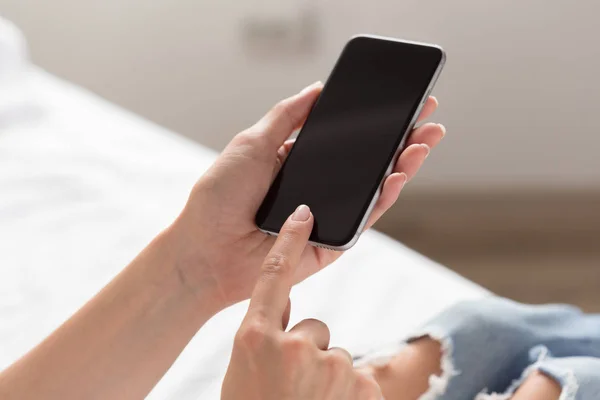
(411, 126)
(391, 39)
(317, 244)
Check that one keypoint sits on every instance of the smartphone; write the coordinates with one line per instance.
(352, 138)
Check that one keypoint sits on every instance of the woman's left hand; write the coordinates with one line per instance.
(217, 244)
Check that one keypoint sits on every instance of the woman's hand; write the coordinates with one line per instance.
(269, 363)
(217, 242)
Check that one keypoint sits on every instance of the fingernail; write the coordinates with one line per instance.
(311, 87)
(443, 128)
(427, 149)
(301, 214)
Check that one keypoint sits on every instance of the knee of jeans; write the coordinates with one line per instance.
(493, 315)
(481, 316)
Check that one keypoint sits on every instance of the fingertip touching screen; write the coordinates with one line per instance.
(350, 137)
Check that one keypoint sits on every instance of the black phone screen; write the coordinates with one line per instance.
(350, 137)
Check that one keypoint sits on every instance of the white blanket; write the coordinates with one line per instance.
(84, 186)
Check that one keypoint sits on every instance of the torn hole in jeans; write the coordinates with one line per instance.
(540, 354)
(437, 383)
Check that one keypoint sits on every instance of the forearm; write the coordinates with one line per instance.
(121, 342)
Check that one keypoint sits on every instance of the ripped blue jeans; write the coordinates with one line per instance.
(490, 346)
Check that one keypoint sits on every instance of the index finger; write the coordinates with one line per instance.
(271, 293)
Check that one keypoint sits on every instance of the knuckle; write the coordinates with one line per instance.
(317, 323)
(252, 335)
(290, 234)
(275, 264)
(296, 344)
(337, 363)
(281, 114)
(246, 137)
(252, 143)
(250, 139)
(280, 109)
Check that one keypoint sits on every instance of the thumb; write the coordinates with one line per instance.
(287, 115)
(270, 297)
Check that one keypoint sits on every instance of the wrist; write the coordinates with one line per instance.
(189, 268)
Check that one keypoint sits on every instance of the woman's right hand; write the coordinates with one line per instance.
(269, 363)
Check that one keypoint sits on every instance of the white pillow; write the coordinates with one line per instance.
(15, 96)
(13, 53)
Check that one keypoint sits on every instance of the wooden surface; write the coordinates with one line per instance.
(534, 247)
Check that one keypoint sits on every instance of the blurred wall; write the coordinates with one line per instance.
(520, 94)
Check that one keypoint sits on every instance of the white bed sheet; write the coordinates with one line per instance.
(85, 185)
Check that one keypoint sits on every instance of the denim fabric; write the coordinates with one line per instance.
(491, 345)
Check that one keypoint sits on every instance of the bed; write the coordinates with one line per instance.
(85, 185)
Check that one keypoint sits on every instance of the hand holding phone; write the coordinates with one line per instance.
(216, 235)
(352, 138)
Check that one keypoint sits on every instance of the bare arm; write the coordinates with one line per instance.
(123, 340)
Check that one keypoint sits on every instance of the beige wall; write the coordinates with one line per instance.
(520, 94)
